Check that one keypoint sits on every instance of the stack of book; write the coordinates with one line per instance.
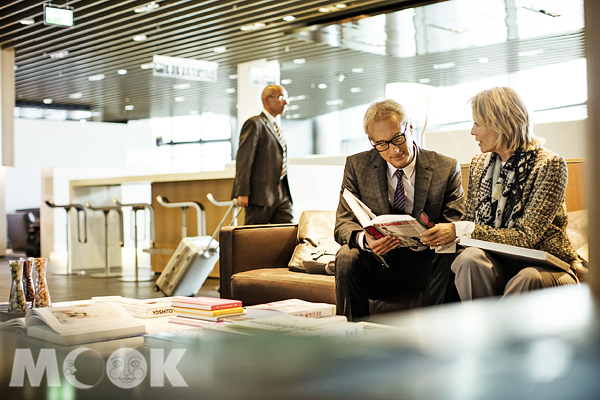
(200, 311)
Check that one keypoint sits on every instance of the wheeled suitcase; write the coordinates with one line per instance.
(193, 260)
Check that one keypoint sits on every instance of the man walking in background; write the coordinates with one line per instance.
(261, 183)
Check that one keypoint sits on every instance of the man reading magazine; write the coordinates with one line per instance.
(396, 176)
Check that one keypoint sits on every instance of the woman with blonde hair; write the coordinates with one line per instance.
(516, 196)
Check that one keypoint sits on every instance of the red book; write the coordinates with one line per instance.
(205, 303)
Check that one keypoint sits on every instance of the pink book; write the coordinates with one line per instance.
(205, 303)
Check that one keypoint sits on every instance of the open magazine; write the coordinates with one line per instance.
(81, 323)
(403, 226)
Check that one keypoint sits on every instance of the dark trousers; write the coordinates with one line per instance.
(361, 275)
(279, 213)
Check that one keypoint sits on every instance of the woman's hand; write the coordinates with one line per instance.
(439, 235)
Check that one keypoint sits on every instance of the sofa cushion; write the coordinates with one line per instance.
(273, 284)
(314, 227)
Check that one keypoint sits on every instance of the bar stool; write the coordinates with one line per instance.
(67, 208)
(135, 207)
(183, 205)
(106, 210)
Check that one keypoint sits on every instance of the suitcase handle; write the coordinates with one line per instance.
(232, 207)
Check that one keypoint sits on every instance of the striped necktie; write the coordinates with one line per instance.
(284, 146)
(398, 206)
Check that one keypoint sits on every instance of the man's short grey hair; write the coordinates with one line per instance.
(382, 110)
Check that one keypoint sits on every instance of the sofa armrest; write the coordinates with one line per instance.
(244, 248)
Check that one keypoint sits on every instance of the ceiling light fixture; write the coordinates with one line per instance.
(47, 101)
(337, 102)
(230, 90)
(147, 8)
(341, 5)
(424, 80)
(444, 65)
(530, 53)
(139, 38)
(180, 99)
(299, 60)
(147, 66)
(220, 49)
(286, 81)
(322, 86)
(233, 76)
(129, 107)
(293, 107)
(182, 86)
(289, 18)
(27, 21)
(299, 97)
(341, 77)
(95, 78)
(122, 72)
(324, 9)
(358, 70)
(57, 54)
(76, 96)
(484, 60)
(355, 90)
(253, 27)
(296, 116)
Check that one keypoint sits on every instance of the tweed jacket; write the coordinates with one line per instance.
(258, 162)
(544, 219)
(438, 190)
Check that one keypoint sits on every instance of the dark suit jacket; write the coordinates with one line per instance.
(438, 190)
(258, 162)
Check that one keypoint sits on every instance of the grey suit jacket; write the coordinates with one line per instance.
(258, 162)
(438, 190)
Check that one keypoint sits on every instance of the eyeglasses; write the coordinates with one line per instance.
(281, 97)
(397, 140)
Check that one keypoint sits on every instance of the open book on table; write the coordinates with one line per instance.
(403, 226)
(517, 254)
(82, 323)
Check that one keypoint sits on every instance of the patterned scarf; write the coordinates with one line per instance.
(501, 203)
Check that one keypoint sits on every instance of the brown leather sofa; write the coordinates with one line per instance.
(254, 267)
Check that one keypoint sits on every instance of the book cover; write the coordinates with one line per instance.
(517, 254)
(295, 307)
(205, 303)
(82, 323)
(148, 308)
(403, 226)
(203, 313)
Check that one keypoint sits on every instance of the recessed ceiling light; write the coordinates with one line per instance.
(444, 65)
(77, 95)
(323, 9)
(147, 66)
(358, 70)
(140, 38)
(57, 54)
(122, 72)
(286, 81)
(95, 78)
(129, 107)
(233, 76)
(182, 86)
(47, 101)
(337, 102)
(27, 21)
(296, 116)
(424, 80)
(230, 90)
(355, 90)
(341, 77)
(299, 97)
(289, 18)
(253, 27)
(322, 86)
(299, 60)
(179, 99)
(484, 60)
(220, 49)
(147, 8)
(530, 53)
(293, 107)
(341, 5)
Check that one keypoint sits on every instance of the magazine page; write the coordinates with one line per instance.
(360, 210)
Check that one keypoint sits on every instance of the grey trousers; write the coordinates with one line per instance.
(480, 274)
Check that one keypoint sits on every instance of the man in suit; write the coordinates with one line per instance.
(261, 183)
(370, 268)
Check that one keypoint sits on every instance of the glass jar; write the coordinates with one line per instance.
(17, 298)
(42, 295)
(28, 287)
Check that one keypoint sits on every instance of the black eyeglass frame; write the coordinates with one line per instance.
(397, 140)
